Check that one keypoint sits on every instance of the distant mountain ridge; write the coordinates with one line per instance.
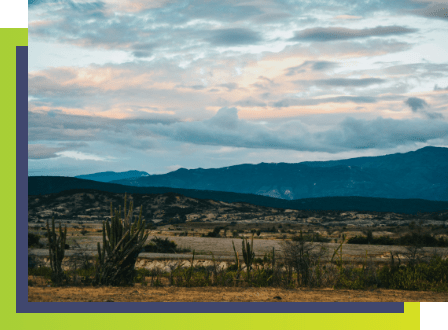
(111, 176)
(44, 185)
(420, 174)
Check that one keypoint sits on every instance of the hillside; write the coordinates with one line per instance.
(111, 176)
(421, 174)
(44, 185)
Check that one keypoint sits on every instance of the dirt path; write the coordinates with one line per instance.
(166, 294)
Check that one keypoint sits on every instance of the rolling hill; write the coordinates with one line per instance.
(45, 185)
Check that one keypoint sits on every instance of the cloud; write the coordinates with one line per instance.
(234, 37)
(348, 82)
(323, 65)
(349, 17)
(83, 156)
(434, 10)
(419, 106)
(226, 129)
(230, 86)
(434, 115)
(311, 65)
(437, 88)
(66, 129)
(338, 99)
(340, 33)
(41, 151)
(250, 102)
(384, 133)
(416, 104)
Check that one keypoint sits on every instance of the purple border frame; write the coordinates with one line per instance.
(23, 306)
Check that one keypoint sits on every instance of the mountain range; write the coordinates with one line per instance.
(111, 176)
(52, 185)
(420, 174)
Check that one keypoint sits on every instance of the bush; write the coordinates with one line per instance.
(159, 245)
(33, 240)
(300, 255)
(414, 239)
(311, 237)
(432, 275)
(40, 271)
(215, 232)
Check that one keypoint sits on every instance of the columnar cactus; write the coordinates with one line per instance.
(123, 240)
(237, 259)
(248, 253)
(56, 248)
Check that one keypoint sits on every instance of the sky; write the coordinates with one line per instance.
(158, 85)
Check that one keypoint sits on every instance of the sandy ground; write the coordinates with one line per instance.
(43, 293)
(222, 247)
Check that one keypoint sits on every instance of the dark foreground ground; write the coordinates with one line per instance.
(139, 293)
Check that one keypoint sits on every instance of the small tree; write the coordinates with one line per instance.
(301, 255)
(123, 240)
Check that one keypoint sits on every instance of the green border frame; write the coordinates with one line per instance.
(10, 38)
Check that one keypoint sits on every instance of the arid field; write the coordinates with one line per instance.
(140, 293)
(209, 230)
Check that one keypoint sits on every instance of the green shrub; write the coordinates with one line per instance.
(215, 232)
(262, 277)
(432, 275)
(414, 239)
(33, 240)
(159, 245)
(40, 271)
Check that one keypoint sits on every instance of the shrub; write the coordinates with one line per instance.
(414, 239)
(159, 245)
(215, 232)
(33, 240)
(299, 255)
(46, 272)
(311, 237)
(432, 275)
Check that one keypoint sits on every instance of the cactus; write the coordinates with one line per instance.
(248, 254)
(56, 247)
(189, 271)
(123, 240)
(237, 259)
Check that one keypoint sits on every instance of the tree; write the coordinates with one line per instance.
(301, 256)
